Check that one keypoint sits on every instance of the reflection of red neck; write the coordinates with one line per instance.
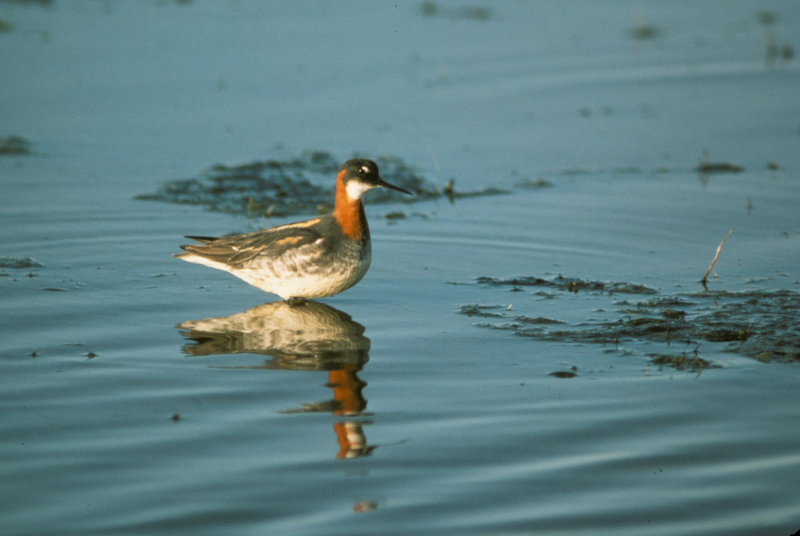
(347, 211)
(346, 392)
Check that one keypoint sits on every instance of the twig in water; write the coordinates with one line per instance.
(435, 162)
(716, 255)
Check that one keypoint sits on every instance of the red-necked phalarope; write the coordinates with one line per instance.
(310, 259)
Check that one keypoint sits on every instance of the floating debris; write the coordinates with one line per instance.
(480, 310)
(395, 216)
(644, 32)
(708, 167)
(18, 262)
(529, 184)
(767, 18)
(44, 3)
(538, 320)
(10, 145)
(432, 9)
(718, 167)
(364, 506)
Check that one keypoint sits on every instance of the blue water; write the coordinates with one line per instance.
(388, 411)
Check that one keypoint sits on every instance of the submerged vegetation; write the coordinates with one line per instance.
(304, 185)
(300, 185)
(570, 284)
(758, 324)
(681, 361)
(19, 262)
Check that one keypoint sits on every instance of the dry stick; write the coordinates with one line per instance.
(710, 266)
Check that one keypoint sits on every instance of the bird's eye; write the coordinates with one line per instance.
(363, 170)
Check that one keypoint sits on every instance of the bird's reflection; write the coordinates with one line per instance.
(308, 336)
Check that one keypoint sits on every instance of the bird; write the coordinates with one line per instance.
(315, 258)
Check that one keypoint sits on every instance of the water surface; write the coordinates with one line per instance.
(142, 395)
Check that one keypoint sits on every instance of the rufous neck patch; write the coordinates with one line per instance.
(347, 211)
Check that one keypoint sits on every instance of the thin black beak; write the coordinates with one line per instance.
(385, 184)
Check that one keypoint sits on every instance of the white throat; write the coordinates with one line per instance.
(356, 189)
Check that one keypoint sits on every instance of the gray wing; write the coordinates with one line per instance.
(238, 250)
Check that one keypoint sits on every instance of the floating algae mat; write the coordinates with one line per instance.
(570, 284)
(295, 186)
(763, 325)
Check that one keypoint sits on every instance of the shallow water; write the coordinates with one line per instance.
(141, 395)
